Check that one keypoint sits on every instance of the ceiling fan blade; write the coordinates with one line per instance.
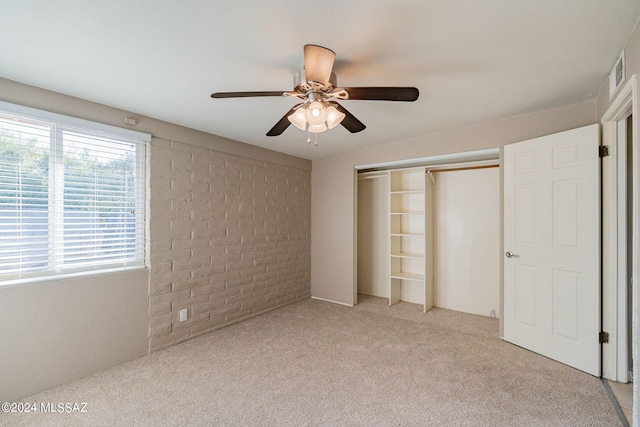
(383, 93)
(245, 94)
(350, 122)
(283, 124)
(318, 63)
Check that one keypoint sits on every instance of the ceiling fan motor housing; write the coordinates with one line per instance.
(302, 85)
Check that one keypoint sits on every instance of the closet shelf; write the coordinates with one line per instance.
(410, 231)
(407, 255)
(407, 276)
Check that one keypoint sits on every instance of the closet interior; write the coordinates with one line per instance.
(430, 236)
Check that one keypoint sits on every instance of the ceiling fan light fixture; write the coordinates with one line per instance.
(317, 128)
(298, 118)
(316, 113)
(334, 117)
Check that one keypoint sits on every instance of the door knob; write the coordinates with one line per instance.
(510, 254)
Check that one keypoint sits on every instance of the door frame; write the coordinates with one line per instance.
(614, 308)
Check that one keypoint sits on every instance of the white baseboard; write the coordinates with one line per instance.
(335, 302)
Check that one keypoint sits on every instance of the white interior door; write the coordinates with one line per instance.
(552, 239)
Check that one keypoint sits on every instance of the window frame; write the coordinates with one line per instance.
(60, 123)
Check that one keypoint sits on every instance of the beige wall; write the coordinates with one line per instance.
(56, 331)
(333, 186)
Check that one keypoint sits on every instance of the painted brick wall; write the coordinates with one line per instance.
(230, 238)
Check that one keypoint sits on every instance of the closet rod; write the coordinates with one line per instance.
(463, 168)
(373, 176)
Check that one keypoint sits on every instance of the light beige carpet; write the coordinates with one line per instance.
(316, 363)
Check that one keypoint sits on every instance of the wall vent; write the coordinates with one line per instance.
(616, 76)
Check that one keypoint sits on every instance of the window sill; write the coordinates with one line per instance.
(66, 276)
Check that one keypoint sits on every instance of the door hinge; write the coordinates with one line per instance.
(603, 337)
(603, 150)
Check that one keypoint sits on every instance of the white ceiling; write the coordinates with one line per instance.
(472, 60)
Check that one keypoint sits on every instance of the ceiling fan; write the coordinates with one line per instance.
(317, 86)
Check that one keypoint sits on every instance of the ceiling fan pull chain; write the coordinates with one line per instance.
(308, 137)
(316, 143)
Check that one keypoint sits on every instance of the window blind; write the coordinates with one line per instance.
(72, 198)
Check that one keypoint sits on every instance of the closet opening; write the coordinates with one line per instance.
(429, 232)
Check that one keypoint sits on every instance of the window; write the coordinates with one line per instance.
(72, 195)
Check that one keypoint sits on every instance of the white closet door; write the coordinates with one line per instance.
(468, 240)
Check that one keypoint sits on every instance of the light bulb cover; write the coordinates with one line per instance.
(316, 113)
(317, 128)
(298, 118)
(334, 117)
